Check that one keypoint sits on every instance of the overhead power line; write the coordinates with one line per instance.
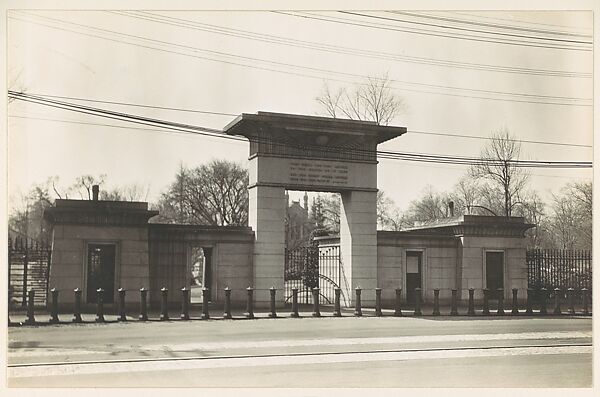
(420, 157)
(452, 135)
(336, 49)
(352, 22)
(520, 21)
(527, 98)
(491, 25)
(466, 29)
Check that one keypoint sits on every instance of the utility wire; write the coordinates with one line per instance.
(333, 149)
(518, 21)
(268, 38)
(425, 32)
(452, 135)
(464, 29)
(485, 24)
(547, 97)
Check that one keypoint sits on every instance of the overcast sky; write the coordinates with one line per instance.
(234, 62)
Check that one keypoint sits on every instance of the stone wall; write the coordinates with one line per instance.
(231, 259)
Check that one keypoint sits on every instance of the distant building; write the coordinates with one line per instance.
(298, 223)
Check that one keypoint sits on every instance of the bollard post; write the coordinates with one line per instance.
(337, 311)
(556, 301)
(164, 310)
(143, 304)
(529, 310)
(316, 309)
(418, 302)
(77, 308)
(250, 303)
(30, 309)
(486, 305)
(500, 311)
(471, 311)
(54, 307)
(99, 305)
(454, 309)
(378, 302)
(205, 300)
(436, 302)
(357, 304)
(295, 313)
(227, 308)
(570, 293)
(122, 316)
(584, 292)
(543, 297)
(273, 291)
(185, 304)
(398, 309)
(515, 302)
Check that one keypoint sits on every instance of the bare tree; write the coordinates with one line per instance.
(498, 167)
(373, 100)
(212, 194)
(132, 192)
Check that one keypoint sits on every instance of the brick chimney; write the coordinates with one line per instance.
(95, 192)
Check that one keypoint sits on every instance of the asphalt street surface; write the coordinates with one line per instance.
(306, 352)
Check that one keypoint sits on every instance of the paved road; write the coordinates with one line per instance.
(326, 352)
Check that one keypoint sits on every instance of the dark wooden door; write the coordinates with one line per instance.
(101, 271)
(414, 264)
(494, 272)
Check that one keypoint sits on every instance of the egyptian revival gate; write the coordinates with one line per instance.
(316, 154)
(309, 267)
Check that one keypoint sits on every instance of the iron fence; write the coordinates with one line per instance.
(28, 268)
(562, 269)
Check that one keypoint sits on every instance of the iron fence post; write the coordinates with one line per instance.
(185, 304)
(164, 309)
(398, 308)
(570, 293)
(543, 296)
(30, 307)
(529, 310)
(122, 315)
(316, 309)
(436, 302)
(454, 308)
(54, 307)
(273, 291)
(378, 302)
(500, 311)
(295, 313)
(418, 302)
(515, 302)
(227, 307)
(99, 305)
(77, 307)
(486, 306)
(357, 304)
(556, 301)
(143, 304)
(471, 311)
(337, 311)
(584, 292)
(205, 300)
(25, 271)
(250, 303)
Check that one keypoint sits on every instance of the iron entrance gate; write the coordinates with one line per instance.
(309, 267)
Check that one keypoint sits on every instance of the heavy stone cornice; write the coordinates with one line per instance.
(102, 213)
